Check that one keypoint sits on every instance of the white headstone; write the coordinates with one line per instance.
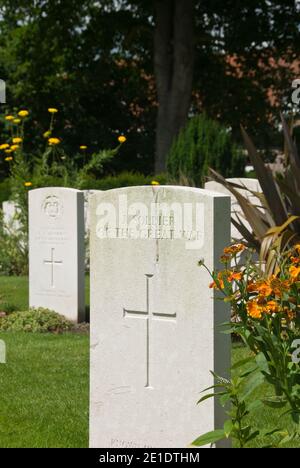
(251, 185)
(87, 198)
(10, 216)
(56, 251)
(154, 321)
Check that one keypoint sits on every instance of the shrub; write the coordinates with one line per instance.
(277, 225)
(35, 321)
(13, 246)
(5, 191)
(124, 179)
(266, 317)
(203, 144)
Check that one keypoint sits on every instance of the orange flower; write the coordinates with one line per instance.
(291, 314)
(295, 260)
(234, 249)
(278, 286)
(264, 289)
(271, 307)
(294, 272)
(235, 276)
(252, 287)
(254, 310)
(219, 283)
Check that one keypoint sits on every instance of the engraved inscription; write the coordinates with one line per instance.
(119, 443)
(148, 315)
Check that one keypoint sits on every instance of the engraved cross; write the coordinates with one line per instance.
(53, 263)
(148, 315)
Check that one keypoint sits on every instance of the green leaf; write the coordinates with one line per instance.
(210, 395)
(228, 427)
(209, 438)
(252, 436)
(253, 383)
(255, 405)
(275, 402)
(242, 363)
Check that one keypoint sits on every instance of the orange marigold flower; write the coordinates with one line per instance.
(214, 285)
(291, 314)
(254, 310)
(294, 272)
(295, 260)
(219, 283)
(235, 276)
(234, 249)
(264, 289)
(271, 307)
(252, 287)
(278, 286)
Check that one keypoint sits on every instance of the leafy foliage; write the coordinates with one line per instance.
(266, 317)
(235, 395)
(35, 321)
(277, 224)
(204, 143)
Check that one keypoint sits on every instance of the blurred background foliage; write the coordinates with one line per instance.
(94, 61)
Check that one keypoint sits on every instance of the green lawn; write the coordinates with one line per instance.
(44, 391)
(14, 291)
(45, 384)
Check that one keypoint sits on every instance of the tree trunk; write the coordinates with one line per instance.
(173, 64)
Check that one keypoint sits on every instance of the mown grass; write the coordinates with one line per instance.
(44, 386)
(44, 391)
(14, 291)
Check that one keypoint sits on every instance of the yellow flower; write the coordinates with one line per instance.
(23, 113)
(28, 184)
(154, 182)
(14, 147)
(8, 151)
(54, 141)
(9, 118)
(18, 140)
(9, 158)
(47, 134)
(52, 110)
(122, 139)
(4, 146)
(83, 147)
(17, 121)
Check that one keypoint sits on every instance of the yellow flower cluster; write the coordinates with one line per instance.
(54, 141)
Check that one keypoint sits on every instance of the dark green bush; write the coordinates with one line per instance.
(35, 321)
(124, 179)
(5, 191)
(202, 144)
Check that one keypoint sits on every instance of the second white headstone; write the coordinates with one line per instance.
(56, 251)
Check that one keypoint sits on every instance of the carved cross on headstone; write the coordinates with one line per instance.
(148, 315)
(53, 263)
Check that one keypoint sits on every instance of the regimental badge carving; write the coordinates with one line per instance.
(52, 207)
